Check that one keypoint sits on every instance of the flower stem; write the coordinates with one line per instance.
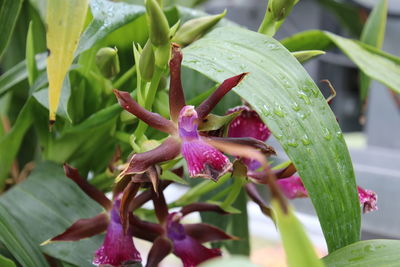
(121, 80)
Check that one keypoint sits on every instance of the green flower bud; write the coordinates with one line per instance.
(108, 62)
(303, 56)
(158, 24)
(281, 8)
(146, 62)
(195, 28)
(162, 54)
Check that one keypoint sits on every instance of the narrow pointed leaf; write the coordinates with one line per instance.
(9, 11)
(298, 248)
(30, 56)
(290, 103)
(65, 19)
(365, 56)
(304, 56)
(377, 253)
(373, 34)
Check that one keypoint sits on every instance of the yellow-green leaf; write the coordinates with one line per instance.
(298, 248)
(65, 20)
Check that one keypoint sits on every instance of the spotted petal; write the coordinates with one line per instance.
(203, 160)
(368, 199)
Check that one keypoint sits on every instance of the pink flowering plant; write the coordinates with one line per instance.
(136, 135)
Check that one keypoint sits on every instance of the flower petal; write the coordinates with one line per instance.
(118, 248)
(89, 189)
(207, 105)
(128, 195)
(203, 233)
(160, 249)
(187, 248)
(248, 124)
(83, 228)
(145, 230)
(198, 207)
(154, 120)
(292, 187)
(203, 160)
(252, 192)
(368, 199)
(176, 95)
(140, 162)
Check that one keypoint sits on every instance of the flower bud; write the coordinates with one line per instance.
(195, 28)
(281, 8)
(108, 62)
(146, 62)
(162, 54)
(158, 24)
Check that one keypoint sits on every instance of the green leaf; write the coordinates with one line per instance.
(45, 205)
(17, 241)
(30, 56)
(373, 34)
(17, 74)
(9, 10)
(6, 262)
(298, 248)
(107, 17)
(11, 142)
(366, 57)
(304, 56)
(236, 261)
(290, 103)
(376, 253)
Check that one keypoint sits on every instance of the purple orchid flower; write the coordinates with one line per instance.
(202, 154)
(118, 248)
(249, 124)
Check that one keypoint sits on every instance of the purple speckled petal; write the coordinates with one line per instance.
(203, 159)
(187, 248)
(368, 199)
(292, 187)
(248, 124)
(118, 248)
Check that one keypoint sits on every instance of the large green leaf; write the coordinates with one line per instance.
(378, 65)
(6, 262)
(9, 10)
(107, 17)
(298, 248)
(17, 241)
(292, 106)
(373, 253)
(33, 205)
(373, 34)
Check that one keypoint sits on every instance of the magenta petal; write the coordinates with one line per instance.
(118, 248)
(203, 160)
(248, 124)
(368, 199)
(292, 187)
(190, 251)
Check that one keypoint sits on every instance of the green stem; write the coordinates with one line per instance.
(267, 26)
(200, 189)
(234, 192)
(125, 77)
(149, 101)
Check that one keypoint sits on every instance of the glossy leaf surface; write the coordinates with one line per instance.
(292, 106)
(9, 11)
(376, 253)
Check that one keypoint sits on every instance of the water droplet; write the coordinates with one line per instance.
(304, 97)
(266, 111)
(306, 140)
(296, 107)
(326, 133)
(272, 46)
(279, 111)
(339, 134)
(292, 143)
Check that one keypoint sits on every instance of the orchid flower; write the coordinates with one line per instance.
(202, 154)
(118, 248)
(249, 124)
(171, 236)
